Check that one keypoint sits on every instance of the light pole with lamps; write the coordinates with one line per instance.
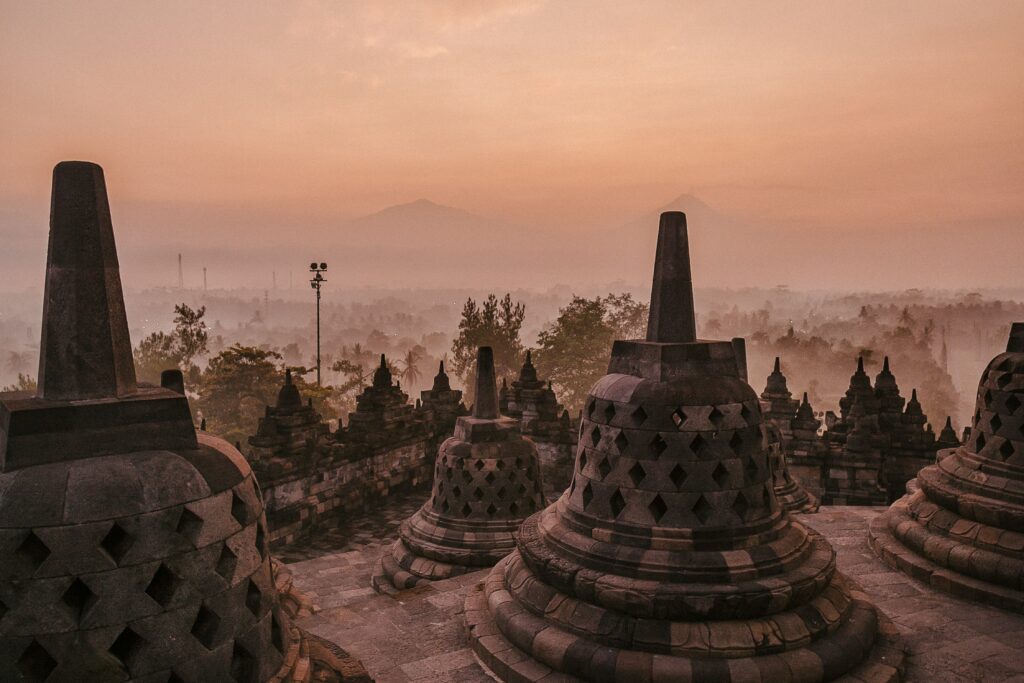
(316, 282)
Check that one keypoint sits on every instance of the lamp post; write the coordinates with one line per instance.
(316, 282)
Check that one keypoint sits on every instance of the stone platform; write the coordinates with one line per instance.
(419, 634)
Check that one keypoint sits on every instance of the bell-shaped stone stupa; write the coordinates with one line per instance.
(131, 547)
(669, 558)
(486, 482)
(961, 526)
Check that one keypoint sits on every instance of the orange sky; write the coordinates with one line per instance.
(807, 123)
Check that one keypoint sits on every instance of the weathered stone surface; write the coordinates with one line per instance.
(669, 549)
(487, 480)
(148, 560)
(961, 526)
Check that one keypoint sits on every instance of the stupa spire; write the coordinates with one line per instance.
(485, 406)
(85, 350)
(671, 318)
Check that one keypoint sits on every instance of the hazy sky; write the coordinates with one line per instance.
(857, 144)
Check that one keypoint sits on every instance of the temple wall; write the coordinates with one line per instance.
(318, 496)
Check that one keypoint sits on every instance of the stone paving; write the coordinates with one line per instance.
(418, 634)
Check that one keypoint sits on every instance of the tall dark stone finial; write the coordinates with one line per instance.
(486, 405)
(671, 318)
(860, 364)
(778, 365)
(85, 350)
(1015, 344)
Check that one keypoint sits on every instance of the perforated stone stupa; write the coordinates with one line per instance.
(487, 480)
(669, 558)
(131, 547)
(961, 529)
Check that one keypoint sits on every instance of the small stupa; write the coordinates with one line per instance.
(960, 528)
(669, 558)
(487, 480)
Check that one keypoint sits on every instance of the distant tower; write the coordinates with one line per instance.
(273, 276)
(204, 278)
(944, 354)
(181, 276)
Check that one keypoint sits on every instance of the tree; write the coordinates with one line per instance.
(236, 386)
(496, 324)
(24, 383)
(179, 349)
(410, 373)
(191, 332)
(154, 354)
(355, 379)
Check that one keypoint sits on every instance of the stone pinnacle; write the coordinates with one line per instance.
(85, 350)
(671, 318)
(486, 405)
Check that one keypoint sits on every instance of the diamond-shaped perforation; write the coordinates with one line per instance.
(276, 634)
(657, 507)
(721, 475)
(491, 476)
(617, 503)
(253, 598)
(466, 510)
(35, 663)
(1003, 380)
(748, 415)
(637, 474)
(740, 506)
(751, 469)
(204, 628)
(226, 563)
(478, 493)
(979, 442)
(514, 508)
(583, 460)
(244, 667)
(126, 647)
(239, 510)
(638, 416)
(78, 598)
(677, 475)
(491, 510)
(678, 417)
(1006, 450)
(995, 423)
(1012, 403)
(163, 585)
(621, 442)
(261, 540)
(699, 445)
(479, 464)
(609, 412)
(716, 416)
(591, 406)
(117, 543)
(588, 495)
(987, 398)
(457, 492)
(702, 509)
(658, 446)
(32, 551)
(604, 467)
(736, 442)
(595, 436)
(189, 525)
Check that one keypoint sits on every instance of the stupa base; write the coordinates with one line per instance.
(794, 499)
(557, 655)
(893, 552)
(400, 569)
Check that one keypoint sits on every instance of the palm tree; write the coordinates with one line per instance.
(410, 373)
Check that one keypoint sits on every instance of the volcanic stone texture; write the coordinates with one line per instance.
(669, 557)
(961, 529)
(487, 480)
(790, 494)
